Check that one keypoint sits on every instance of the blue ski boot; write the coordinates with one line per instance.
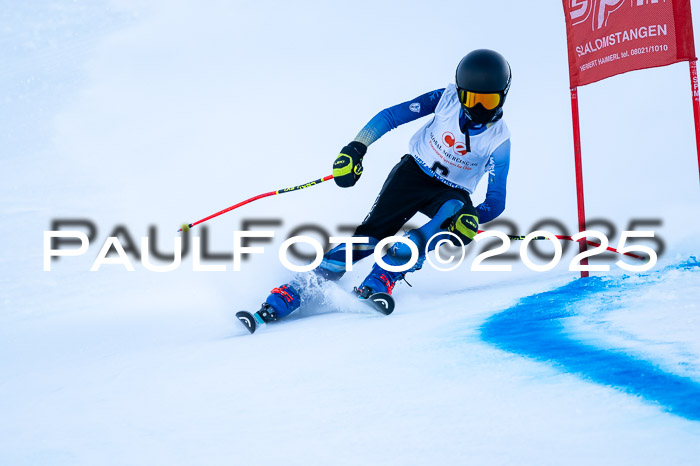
(383, 281)
(379, 281)
(281, 302)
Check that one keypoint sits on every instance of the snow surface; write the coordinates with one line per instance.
(134, 114)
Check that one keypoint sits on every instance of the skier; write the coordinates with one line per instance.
(465, 139)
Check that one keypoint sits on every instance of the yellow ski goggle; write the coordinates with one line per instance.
(470, 99)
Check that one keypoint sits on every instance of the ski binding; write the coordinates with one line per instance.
(252, 321)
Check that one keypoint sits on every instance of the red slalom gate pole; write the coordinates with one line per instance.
(187, 226)
(579, 175)
(696, 105)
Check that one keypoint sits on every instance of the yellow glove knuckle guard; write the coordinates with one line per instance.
(467, 225)
(342, 166)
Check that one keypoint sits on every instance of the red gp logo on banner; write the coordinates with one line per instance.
(609, 37)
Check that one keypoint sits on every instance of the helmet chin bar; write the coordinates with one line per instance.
(479, 115)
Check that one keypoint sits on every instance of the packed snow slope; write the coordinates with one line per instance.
(138, 117)
(542, 325)
(474, 375)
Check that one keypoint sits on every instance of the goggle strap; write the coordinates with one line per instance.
(465, 129)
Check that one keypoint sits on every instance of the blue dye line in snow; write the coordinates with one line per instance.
(534, 328)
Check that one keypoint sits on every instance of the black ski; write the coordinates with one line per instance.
(252, 321)
(248, 320)
(381, 302)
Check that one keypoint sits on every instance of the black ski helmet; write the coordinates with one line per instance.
(483, 71)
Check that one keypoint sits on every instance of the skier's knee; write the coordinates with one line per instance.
(421, 236)
(448, 209)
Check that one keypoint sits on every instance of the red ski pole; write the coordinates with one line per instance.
(187, 226)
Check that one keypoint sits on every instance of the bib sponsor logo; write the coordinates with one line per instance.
(459, 148)
(448, 139)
